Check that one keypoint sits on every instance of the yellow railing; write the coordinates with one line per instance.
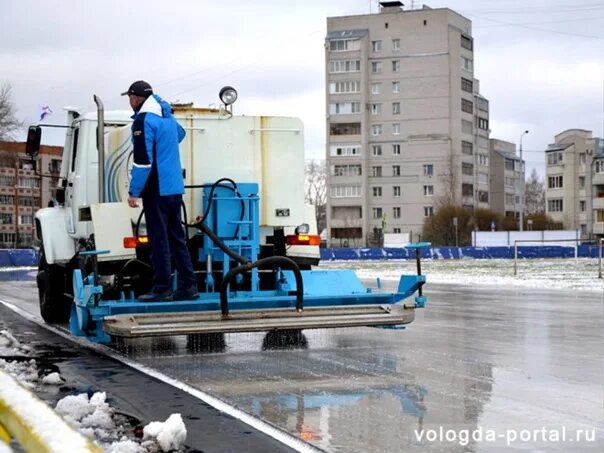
(34, 425)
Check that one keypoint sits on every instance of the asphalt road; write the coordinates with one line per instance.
(512, 368)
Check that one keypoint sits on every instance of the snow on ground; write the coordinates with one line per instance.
(576, 274)
(93, 416)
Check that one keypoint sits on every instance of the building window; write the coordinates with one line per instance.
(428, 191)
(347, 170)
(582, 206)
(509, 181)
(377, 213)
(467, 106)
(428, 211)
(396, 191)
(581, 182)
(376, 171)
(509, 164)
(29, 201)
(376, 109)
(483, 124)
(376, 129)
(345, 129)
(54, 166)
(509, 198)
(351, 86)
(396, 87)
(583, 229)
(396, 108)
(554, 182)
(7, 181)
(337, 66)
(26, 219)
(345, 191)
(376, 46)
(554, 205)
(467, 85)
(7, 199)
(376, 150)
(343, 45)
(556, 157)
(466, 42)
(483, 178)
(428, 169)
(396, 129)
(6, 218)
(396, 44)
(466, 63)
(483, 160)
(376, 88)
(396, 212)
(599, 216)
(7, 238)
(376, 67)
(467, 169)
(345, 150)
(396, 65)
(396, 230)
(467, 190)
(467, 147)
(344, 108)
(377, 191)
(396, 170)
(483, 196)
(582, 158)
(599, 164)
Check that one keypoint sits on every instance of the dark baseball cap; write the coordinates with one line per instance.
(139, 88)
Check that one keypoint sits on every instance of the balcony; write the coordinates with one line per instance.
(598, 203)
(598, 227)
(597, 178)
(346, 223)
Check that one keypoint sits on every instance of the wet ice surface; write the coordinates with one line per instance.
(475, 358)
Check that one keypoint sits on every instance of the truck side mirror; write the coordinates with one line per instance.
(34, 136)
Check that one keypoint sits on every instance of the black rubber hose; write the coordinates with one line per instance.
(220, 243)
(288, 262)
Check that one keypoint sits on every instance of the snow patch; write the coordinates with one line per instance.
(170, 435)
(53, 379)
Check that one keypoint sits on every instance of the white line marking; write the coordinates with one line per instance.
(260, 425)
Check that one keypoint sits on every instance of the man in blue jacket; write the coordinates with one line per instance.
(157, 178)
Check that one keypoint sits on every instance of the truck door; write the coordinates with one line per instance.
(70, 203)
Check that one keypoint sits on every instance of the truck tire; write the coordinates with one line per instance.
(54, 306)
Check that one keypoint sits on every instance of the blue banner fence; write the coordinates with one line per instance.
(29, 257)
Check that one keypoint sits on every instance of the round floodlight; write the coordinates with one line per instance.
(228, 95)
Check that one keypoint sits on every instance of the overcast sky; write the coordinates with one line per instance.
(540, 63)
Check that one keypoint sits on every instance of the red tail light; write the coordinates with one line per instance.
(303, 239)
(133, 242)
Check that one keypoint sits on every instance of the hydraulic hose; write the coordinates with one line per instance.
(287, 262)
(220, 243)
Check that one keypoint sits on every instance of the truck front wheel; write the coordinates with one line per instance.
(55, 307)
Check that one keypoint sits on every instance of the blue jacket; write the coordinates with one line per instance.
(155, 135)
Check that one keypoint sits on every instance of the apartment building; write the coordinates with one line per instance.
(23, 191)
(507, 178)
(574, 183)
(406, 125)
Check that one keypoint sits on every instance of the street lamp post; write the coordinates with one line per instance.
(523, 183)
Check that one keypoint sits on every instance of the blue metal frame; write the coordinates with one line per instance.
(234, 217)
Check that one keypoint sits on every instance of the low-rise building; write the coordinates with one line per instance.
(574, 183)
(507, 178)
(23, 190)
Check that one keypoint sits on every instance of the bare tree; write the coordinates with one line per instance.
(449, 178)
(315, 190)
(9, 124)
(534, 194)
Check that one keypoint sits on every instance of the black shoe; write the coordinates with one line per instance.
(186, 294)
(152, 296)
